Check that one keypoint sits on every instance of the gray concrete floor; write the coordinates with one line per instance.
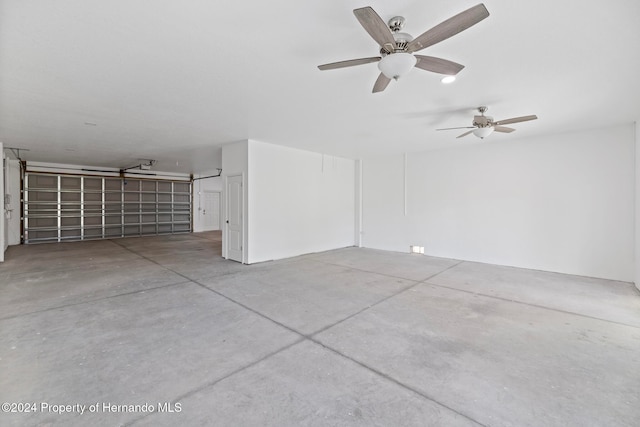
(347, 337)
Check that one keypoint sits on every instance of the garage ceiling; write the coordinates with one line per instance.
(111, 82)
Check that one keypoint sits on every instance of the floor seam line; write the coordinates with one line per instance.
(384, 274)
(375, 304)
(94, 300)
(393, 380)
(195, 234)
(210, 384)
(290, 344)
(264, 316)
(442, 271)
(62, 269)
(224, 296)
(533, 305)
(310, 338)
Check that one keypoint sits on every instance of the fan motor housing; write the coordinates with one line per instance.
(402, 40)
(482, 121)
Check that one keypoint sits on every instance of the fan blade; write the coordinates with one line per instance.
(381, 84)
(349, 63)
(449, 28)
(516, 120)
(464, 134)
(438, 65)
(464, 127)
(376, 27)
(503, 129)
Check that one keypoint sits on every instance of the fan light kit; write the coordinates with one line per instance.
(397, 48)
(483, 132)
(397, 65)
(484, 126)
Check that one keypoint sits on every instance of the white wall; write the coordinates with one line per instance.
(562, 203)
(199, 187)
(299, 202)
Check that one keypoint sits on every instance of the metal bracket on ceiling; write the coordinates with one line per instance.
(16, 151)
(210, 176)
(142, 166)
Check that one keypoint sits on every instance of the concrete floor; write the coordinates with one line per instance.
(347, 337)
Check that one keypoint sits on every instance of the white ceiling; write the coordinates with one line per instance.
(173, 81)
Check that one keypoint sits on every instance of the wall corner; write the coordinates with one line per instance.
(358, 204)
(637, 205)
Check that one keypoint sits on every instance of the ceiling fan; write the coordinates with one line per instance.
(484, 126)
(397, 48)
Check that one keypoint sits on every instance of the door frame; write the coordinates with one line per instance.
(225, 210)
(4, 222)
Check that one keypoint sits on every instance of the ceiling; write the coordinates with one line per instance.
(108, 83)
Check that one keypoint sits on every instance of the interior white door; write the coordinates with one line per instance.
(4, 243)
(234, 214)
(210, 210)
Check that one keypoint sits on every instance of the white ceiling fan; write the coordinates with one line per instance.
(397, 48)
(483, 126)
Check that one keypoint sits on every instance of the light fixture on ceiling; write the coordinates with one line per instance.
(396, 65)
(483, 132)
(397, 49)
(483, 126)
(448, 79)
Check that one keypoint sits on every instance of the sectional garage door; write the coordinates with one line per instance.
(70, 207)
